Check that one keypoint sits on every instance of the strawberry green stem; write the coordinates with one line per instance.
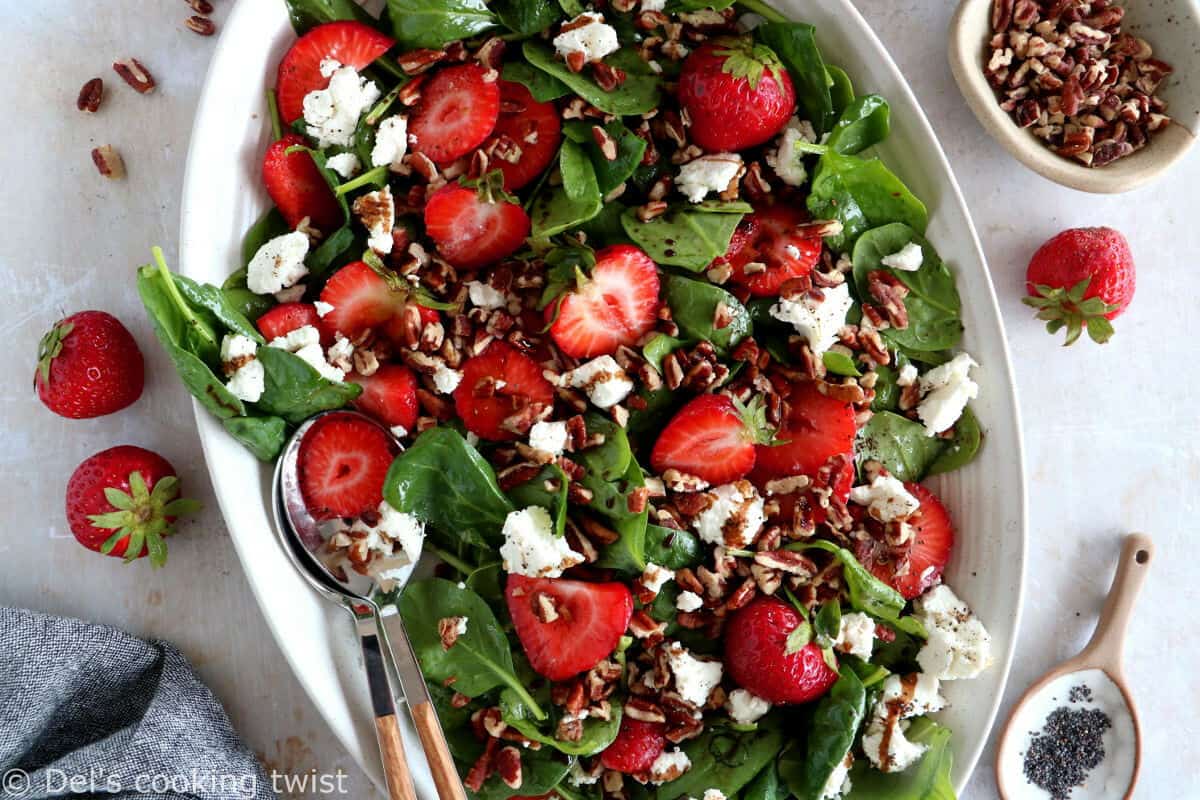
(276, 120)
(371, 176)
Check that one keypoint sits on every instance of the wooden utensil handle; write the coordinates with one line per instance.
(395, 763)
(441, 763)
(1107, 644)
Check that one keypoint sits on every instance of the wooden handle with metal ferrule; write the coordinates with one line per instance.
(395, 763)
(441, 763)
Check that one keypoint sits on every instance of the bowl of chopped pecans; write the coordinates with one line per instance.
(1087, 93)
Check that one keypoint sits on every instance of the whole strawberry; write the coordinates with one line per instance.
(88, 366)
(123, 501)
(1081, 278)
(737, 93)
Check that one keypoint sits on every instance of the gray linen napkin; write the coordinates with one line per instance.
(89, 711)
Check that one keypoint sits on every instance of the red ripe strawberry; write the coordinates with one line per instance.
(770, 237)
(343, 461)
(297, 187)
(456, 113)
(737, 94)
(637, 746)
(351, 44)
(123, 501)
(816, 428)
(473, 227)
(361, 299)
(616, 306)
(927, 551)
(484, 403)
(757, 657)
(88, 366)
(390, 395)
(287, 317)
(712, 437)
(592, 617)
(1081, 278)
(521, 119)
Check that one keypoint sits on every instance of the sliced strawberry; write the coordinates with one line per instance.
(616, 306)
(927, 551)
(351, 44)
(816, 428)
(297, 188)
(361, 299)
(457, 111)
(757, 657)
(534, 128)
(389, 395)
(496, 385)
(711, 437)
(637, 746)
(471, 230)
(287, 317)
(770, 237)
(592, 617)
(343, 461)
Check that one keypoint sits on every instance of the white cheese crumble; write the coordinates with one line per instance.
(331, 114)
(712, 173)
(341, 350)
(605, 383)
(399, 431)
(655, 576)
(958, 645)
(484, 296)
(305, 343)
(653, 5)
(745, 708)
(907, 259)
(734, 515)
(856, 635)
(713, 794)
(838, 784)
(689, 601)
(694, 679)
(460, 627)
(391, 143)
(818, 321)
(549, 437)
(278, 264)
(345, 164)
(669, 765)
(248, 379)
(580, 777)
(787, 162)
(890, 709)
(322, 307)
(381, 219)
(886, 499)
(397, 540)
(530, 547)
(446, 380)
(946, 389)
(590, 37)
(907, 376)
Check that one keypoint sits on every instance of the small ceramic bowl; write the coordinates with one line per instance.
(1172, 27)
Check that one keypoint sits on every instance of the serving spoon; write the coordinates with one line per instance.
(382, 635)
(1103, 654)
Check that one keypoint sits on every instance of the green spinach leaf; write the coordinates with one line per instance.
(839, 363)
(308, 14)
(541, 771)
(543, 86)
(841, 89)
(630, 148)
(766, 786)
(659, 347)
(218, 305)
(436, 23)
(526, 16)
(683, 237)
(864, 123)
(247, 303)
(861, 194)
(295, 391)
(638, 94)
(962, 449)
(534, 493)
(899, 444)
(264, 229)
(559, 208)
(174, 319)
(263, 436)
(671, 548)
(597, 733)
(796, 45)
(693, 305)
(831, 733)
(725, 759)
(929, 779)
(867, 593)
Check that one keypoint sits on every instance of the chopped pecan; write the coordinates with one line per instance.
(201, 25)
(135, 74)
(90, 96)
(108, 161)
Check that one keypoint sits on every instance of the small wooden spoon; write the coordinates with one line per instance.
(1103, 652)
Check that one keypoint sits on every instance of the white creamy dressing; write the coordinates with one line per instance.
(1110, 779)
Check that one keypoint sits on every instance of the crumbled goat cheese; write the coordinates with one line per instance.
(278, 264)
(590, 36)
(946, 389)
(461, 626)
(734, 515)
(292, 294)
(653, 5)
(856, 635)
(395, 542)
(378, 216)
(818, 321)
(248, 378)
(322, 307)
(399, 431)
(331, 114)
(345, 164)
(530, 547)
(305, 343)
(713, 794)
(689, 601)
(549, 437)
(744, 707)
(958, 645)
(580, 777)
(655, 576)
(907, 376)
(838, 784)
(894, 705)
(785, 159)
(886, 499)
(908, 259)
(669, 765)
(706, 174)
(694, 679)
(446, 380)
(341, 350)
(484, 296)
(605, 383)
(391, 143)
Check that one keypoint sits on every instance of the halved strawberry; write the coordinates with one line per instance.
(592, 617)
(297, 188)
(496, 385)
(349, 43)
(474, 227)
(927, 551)
(361, 299)
(712, 437)
(456, 113)
(616, 306)
(533, 127)
(637, 746)
(287, 317)
(769, 237)
(816, 428)
(389, 395)
(343, 461)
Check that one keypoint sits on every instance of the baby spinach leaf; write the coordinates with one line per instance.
(864, 123)
(675, 6)
(638, 94)
(263, 436)
(560, 208)
(929, 779)
(671, 548)
(693, 304)
(174, 319)
(534, 493)
(218, 305)
(264, 229)
(200, 380)
(887, 393)
(963, 448)
(597, 733)
(899, 444)
(630, 148)
(579, 179)
(543, 86)
(247, 303)
(435, 23)
(933, 305)
(659, 347)
(337, 249)
(612, 472)
(839, 363)
(526, 16)
(572, 8)
(766, 786)
(796, 45)
(683, 237)
(861, 194)
(605, 228)
(841, 89)
(725, 759)
(445, 482)
(308, 14)
(295, 391)
(867, 593)
(831, 732)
